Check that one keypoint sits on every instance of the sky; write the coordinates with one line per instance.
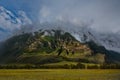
(102, 15)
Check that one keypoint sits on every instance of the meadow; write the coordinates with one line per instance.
(59, 74)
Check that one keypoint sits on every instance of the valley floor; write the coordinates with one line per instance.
(59, 74)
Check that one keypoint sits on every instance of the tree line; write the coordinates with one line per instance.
(65, 66)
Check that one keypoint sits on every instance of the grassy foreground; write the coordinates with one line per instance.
(59, 74)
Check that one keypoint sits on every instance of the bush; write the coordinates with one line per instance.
(66, 66)
(80, 66)
(93, 66)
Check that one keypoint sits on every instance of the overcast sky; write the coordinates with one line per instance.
(104, 15)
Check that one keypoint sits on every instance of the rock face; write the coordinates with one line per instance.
(46, 41)
(85, 34)
(55, 44)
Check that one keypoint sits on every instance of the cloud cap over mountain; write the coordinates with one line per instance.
(101, 15)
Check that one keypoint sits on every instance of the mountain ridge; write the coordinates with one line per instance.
(52, 45)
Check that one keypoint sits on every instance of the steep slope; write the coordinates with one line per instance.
(47, 46)
(59, 41)
(51, 46)
(84, 33)
(110, 56)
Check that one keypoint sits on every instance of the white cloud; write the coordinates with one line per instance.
(103, 13)
(9, 23)
(44, 13)
(23, 17)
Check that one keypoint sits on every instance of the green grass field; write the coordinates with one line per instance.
(59, 74)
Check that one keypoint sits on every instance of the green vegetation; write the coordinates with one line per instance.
(59, 74)
(54, 49)
(61, 65)
(42, 47)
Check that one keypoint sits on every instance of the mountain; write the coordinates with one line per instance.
(109, 40)
(54, 46)
(9, 22)
(47, 46)
(84, 33)
(52, 42)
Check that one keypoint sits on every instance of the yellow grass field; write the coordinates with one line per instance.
(59, 74)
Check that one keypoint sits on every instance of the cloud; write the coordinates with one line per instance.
(10, 22)
(44, 14)
(23, 17)
(102, 13)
